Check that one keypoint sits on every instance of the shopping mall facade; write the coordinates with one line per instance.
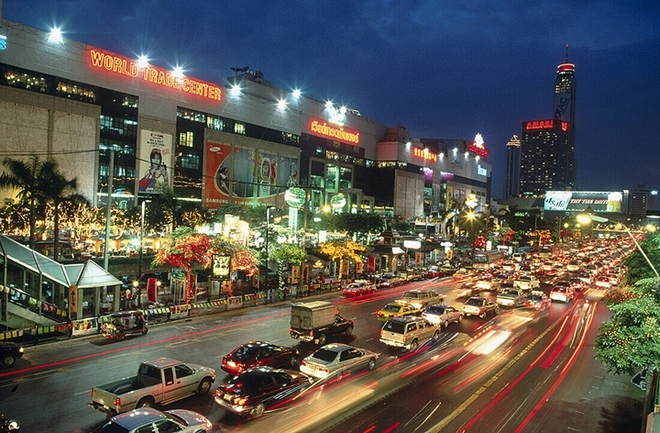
(244, 141)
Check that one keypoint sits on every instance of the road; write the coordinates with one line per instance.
(521, 371)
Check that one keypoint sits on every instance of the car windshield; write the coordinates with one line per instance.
(397, 327)
(392, 308)
(244, 352)
(475, 302)
(112, 427)
(412, 295)
(325, 355)
(436, 310)
(536, 298)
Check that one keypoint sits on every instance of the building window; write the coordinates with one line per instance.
(189, 161)
(130, 101)
(239, 128)
(186, 139)
(76, 91)
(26, 80)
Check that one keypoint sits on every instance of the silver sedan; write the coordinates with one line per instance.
(337, 359)
(442, 315)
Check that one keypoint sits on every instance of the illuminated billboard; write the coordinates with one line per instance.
(578, 201)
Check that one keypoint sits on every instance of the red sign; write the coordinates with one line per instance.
(119, 65)
(151, 289)
(321, 128)
(540, 124)
(371, 264)
(478, 146)
(424, 154)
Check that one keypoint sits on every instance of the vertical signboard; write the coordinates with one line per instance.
(155, 161)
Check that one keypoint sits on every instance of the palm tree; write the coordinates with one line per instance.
(57, 189)
(29, 179)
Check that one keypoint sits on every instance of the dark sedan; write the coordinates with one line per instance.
(9, 353)
(259, 353)
(260, 389)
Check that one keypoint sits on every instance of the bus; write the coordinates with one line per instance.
(487, 259)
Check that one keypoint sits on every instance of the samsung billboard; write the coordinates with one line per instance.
(578, 201)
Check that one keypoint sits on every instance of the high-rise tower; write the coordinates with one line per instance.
(547, 147)
(513, 167)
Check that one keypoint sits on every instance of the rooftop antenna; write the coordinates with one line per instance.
(566, 53)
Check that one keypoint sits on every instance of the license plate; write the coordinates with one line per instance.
(227, 397)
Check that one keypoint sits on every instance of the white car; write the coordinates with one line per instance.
(442, 315)
(603, 282)
(562, 293)
(337, 359)
(146, 418)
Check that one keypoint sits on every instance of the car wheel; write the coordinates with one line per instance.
(349, 330)
(120, 336)
(372, 363)
(204, 386)
(7, 360)
(483, 315)
(293, 361)
(145, 330)
(322, 339)
(460, 319)
(436, 335)
(413, 345)
(145, 402)
(445, 324)
(258, 410)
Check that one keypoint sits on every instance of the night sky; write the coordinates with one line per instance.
(442, 69)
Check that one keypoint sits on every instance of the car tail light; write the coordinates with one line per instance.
(118, 401)
(241, 401)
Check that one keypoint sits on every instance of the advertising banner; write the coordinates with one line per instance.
(151, 289)
(578, 201)
(371, 264)
(221, 266)
(245, 174)
(155, 161)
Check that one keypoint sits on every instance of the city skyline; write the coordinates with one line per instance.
(440, 71)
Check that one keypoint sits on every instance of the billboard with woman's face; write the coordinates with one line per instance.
(155, 161)
(245, 174)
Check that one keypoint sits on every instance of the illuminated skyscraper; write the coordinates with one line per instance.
(547, 148)
(513, 167)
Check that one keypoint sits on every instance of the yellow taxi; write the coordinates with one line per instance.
(397, 309)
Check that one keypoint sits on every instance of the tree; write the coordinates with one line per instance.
(342, 250)
(358, 224)
(28, 179)
(291, 254)
(58, 189)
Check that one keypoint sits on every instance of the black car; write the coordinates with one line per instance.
(9, 353)
(259, 353)
(260, 389)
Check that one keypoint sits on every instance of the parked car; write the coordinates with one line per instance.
(337, 359)
(117, 326)
(397, 309)
(478, 306)
(148, 419)
(561, 293)
(358, 288)
(9, 353)
(422, 298)
(259, 353)
(259, 389)
(434, 272)
(408, 332)
(442, 315)
(537, 300)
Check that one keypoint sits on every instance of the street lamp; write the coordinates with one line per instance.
(586, 218)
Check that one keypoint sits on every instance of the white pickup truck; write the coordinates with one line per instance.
(161, 381)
